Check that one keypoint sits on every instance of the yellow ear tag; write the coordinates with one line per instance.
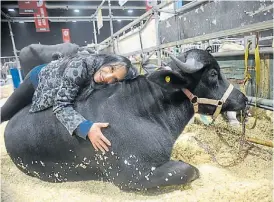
(167, 79)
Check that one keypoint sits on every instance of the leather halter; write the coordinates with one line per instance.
(218, 103)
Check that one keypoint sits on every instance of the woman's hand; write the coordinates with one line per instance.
(96, 137)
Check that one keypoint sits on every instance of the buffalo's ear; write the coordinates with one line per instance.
(169, 79)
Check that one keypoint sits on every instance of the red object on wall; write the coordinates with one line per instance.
(27, 7)
(66, 35)
(41, 23)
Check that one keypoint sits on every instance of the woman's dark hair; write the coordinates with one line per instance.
(94, 63)
(105, 59)
(102, 60)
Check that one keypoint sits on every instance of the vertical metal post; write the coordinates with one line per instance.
(15, 52)
(94, 32)
(117, 45)
(94, 14)
(157, 37)
(177, 49)
(111, 26)
(140, 36)
(141, 44)
(95, 35)
(176, 21)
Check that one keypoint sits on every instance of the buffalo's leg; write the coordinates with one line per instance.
(20, 98)
(170, 173)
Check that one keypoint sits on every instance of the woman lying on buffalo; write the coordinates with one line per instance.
(58, 84)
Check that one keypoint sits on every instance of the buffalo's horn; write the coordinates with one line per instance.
(190, 66)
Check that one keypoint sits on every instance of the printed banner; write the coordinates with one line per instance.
(27, 7)
(41, 23)
(66, 35)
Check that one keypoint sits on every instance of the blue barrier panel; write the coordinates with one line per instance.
(15, 77)
(179, 4)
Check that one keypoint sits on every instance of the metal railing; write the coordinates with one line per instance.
(8, 59)
(215, 40)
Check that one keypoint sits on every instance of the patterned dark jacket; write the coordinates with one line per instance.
(58, 87)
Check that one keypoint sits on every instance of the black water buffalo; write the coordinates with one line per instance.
(37, 54)
(146, 116)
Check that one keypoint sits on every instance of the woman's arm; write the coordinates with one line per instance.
(73, 80)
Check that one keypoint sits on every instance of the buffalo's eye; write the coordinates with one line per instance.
(213, 73)
(212, 77)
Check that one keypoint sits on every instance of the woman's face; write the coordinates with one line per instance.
(110, 74)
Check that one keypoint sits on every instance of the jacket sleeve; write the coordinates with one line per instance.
(73, 80)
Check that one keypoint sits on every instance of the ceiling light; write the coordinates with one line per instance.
(76, 11)
(119, 20)
(130, 11)
(11, 10)
(21, 21)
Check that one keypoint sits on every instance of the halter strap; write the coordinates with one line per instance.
(218, 103)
